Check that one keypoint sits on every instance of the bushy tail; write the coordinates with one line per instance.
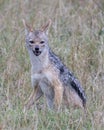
(78, 89)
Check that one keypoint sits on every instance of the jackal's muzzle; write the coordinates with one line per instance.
(37, 52)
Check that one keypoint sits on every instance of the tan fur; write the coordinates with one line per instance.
(51, 74)
(71, 99)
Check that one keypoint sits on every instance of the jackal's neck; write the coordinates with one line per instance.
(40, 62)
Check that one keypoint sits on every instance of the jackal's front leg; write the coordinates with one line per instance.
(35, 95)
(58, 89)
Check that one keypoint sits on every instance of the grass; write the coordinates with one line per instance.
(77, 36)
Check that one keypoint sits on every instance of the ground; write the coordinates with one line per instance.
(77, 36)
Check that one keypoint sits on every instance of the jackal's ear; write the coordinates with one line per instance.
(27, 27)
(46, 26)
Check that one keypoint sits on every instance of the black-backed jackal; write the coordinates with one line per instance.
(49, 76)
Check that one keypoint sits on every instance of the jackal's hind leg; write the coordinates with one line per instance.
(72, 99)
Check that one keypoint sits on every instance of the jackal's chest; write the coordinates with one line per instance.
(43, 76)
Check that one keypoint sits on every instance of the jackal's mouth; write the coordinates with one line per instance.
(37, 52)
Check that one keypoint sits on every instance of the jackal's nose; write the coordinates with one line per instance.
(36, 48)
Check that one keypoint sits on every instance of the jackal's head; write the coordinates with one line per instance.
(36, 40)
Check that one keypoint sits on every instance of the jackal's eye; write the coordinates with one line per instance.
(31, 42)
(41, 42)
